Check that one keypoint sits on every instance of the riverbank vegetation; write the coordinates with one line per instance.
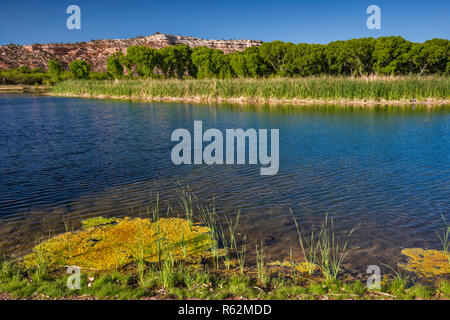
(356, 57)
(191, 252)
(292, 90)
(367, 70)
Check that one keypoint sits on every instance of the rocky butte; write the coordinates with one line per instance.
(96, 52)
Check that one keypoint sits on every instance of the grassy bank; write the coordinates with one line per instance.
(371, 90)
(182, 283)
(24, 88)
(190, 252)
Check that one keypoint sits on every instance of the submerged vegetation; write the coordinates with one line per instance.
(112, 246)
(377, 89)
(199, 254)
(427, 263)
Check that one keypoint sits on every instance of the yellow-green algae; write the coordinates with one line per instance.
(96, 221)
(302, 267)
(112, 246)
(426, 263)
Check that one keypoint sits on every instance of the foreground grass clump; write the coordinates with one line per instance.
(327, 88)
(112, 246)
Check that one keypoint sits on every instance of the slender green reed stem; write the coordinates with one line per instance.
(445, 237)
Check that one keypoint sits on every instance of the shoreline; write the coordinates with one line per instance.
(429, 91)
(23, 88)
(431, 102)
(206, 273)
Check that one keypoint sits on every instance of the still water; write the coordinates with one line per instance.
(384, 170)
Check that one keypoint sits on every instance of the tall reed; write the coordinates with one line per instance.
(260, 263)
(445, 237)
(332, 251)
(329, 88)
(309, 255)
(326, 250)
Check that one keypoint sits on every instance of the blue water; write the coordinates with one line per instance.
(385, 170)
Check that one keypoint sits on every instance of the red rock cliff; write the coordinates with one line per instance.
(96, 52)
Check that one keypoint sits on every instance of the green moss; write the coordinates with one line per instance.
(96, 221)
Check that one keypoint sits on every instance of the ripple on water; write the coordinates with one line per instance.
(384, 170)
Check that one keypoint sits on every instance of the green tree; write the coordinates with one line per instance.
(279, 56)
(142, 59)
(239, 64)
(54, 67)
(24, 69)
(352, 57)
(310, 59)
(211, 63)
(390, 56)
(80, 69)
(175, 61)
(114, 65)
(255, 64)
(431, 57)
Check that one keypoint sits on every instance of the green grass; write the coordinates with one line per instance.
(188, 283)
(325, 88)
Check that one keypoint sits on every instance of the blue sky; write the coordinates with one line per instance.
(40, 21)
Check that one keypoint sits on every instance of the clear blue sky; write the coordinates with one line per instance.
(40, 21)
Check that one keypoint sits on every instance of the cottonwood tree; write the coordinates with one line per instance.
(80, 69)
(114, 65)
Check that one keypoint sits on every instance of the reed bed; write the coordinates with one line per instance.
(369, 89)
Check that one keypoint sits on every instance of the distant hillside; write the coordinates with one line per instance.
(97, 51)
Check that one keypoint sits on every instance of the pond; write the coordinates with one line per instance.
(384, 170)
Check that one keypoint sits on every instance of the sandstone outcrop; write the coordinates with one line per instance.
(96, 52)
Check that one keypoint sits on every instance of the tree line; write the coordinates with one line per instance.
(356, 57)
(78, 69)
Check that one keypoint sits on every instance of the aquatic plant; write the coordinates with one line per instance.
(94, 222)
(112, 246)
(332, 251)
(310, 256)
(327, 251)
(445, 237)
(260, 263)
(301, 267)
(426, 263)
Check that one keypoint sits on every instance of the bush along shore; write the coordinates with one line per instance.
(193, 253)
(370, 90)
